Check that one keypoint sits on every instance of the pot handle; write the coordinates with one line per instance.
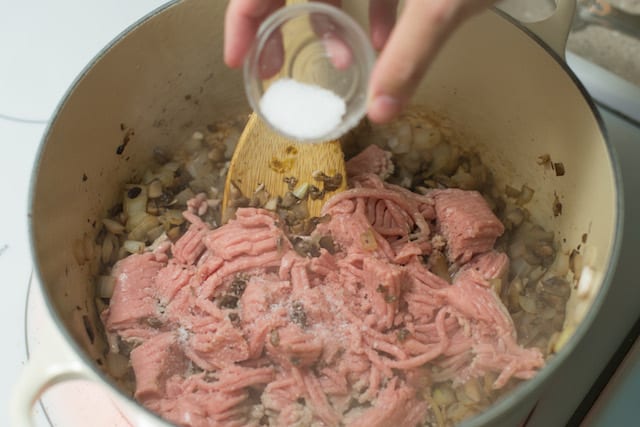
(42, 371)
(554, 30)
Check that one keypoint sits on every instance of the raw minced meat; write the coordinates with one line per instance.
(232, 326)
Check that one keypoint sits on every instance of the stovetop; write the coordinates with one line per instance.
(40, 60)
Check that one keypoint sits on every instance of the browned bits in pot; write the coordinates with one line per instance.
(544, 160)
(557, 205)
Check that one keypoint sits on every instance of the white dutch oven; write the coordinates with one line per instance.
(509, 92)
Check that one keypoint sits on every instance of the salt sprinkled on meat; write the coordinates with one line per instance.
(304, 336)
(302, 110)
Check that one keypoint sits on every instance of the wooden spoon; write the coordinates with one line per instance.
(265, 159)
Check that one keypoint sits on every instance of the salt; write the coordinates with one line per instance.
(301, 110)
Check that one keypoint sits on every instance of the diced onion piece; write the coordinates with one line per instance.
(184, 196)
(158, 241)
(171, 166)
(301, 190)
(155, 232)
(109, 245)
(525, 195)
(173, 233)
(140, 231)
(134, 199)
(106, 284)
(133, 246)
(166, 174)
(155, 189)
(113, 226)
(272, 204)
(135, 219)
(472, 390)
(515, 215)
(443, 395)
(528, 304)
(173, 217)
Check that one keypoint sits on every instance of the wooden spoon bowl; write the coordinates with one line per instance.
(264, 160)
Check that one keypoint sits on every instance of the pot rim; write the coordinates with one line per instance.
(497, 409)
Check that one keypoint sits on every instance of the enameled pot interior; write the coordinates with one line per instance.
(507, 96)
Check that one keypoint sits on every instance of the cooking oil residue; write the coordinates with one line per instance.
(291, 150)
(281, 165)
(284, 164)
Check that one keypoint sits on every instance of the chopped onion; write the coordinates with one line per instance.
(155, 232)
(528, 304)
(106, 284)
(113, 226)
(525, 195)
(133, 246)
(145, 225)
(184, 196)
(134, 199)
(472, 390)
(155, 189)
(173, 217)
(272, 204)
(134, 219)
(109, 247)
(301, 190)
(443, 395)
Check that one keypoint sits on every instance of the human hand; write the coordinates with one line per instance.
(407, 46)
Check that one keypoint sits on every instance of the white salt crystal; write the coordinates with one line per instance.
(301, 110)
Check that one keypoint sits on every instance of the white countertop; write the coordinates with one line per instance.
(45, 45)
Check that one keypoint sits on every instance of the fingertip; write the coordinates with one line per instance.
(379, 37)
(233, 55)
(383, 108)
(382, 17)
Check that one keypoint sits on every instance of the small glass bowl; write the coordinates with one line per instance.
(317, 44)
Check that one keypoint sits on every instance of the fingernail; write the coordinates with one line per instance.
(383, 108)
